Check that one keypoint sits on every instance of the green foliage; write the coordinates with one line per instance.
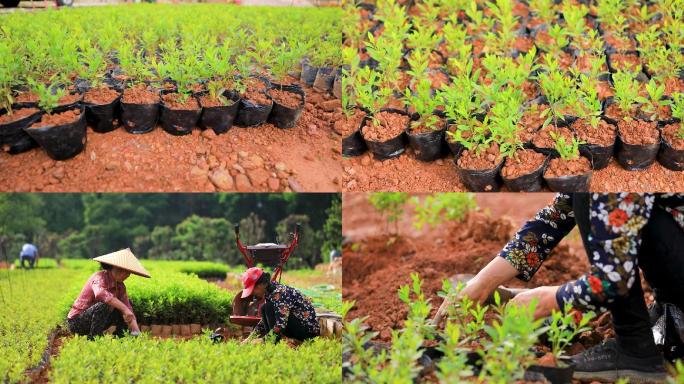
(567, 151)
(147, 360)
(679, 377)
(655, 101)
(677, 107)
(332, 229)
(27, 314)
(563, 328)
(440, 207)
(19, 212)
(626, 91)
(424, 104)
(390, 205)
(48, 94)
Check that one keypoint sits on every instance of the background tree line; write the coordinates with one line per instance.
(171, 226)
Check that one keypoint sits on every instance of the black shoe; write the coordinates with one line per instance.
(608, 363)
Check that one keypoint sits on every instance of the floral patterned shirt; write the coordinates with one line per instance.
(289, 301)
(615, 221)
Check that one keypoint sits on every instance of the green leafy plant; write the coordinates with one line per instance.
(563, 328)
(390, 205)
(424, 104)
(655, 101)
(559, 91)
(567, 151)
(626, 92)
(678, 112)
(370, 95)
(48, 94)
(440, 207)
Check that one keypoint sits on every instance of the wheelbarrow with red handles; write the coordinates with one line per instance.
(247, 311)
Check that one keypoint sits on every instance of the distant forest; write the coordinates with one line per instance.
(171, 226)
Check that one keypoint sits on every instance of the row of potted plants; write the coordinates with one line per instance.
(202, 76)
(437, 76)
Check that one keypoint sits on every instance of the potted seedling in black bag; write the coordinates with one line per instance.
(523, 167)
(140, 102)
(561, 330)
(13, 139)
(384, 129)
(288, 99)
(255, 104)
(350, 126)
(219, 103)
(561, 95)
(61, 134)
(479, 164)
(655, 107)
(101, 102)
(426, 130)
(570, 172)
(463, 106)
(671, 154)
(638, 140)
(179, 110)
(597, 134)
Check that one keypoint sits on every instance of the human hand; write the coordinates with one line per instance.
(546, 300)
(128, 316)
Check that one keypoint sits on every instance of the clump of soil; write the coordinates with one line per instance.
(531, 121)
(638, 132)
(603, 134)
(375, 268)
(390, 125)
(27, 97)
(49, 120)
(100, 96)
(486, 159)
(543, 138)
(349, 125)
(257, 97)
(285, 98)
(17, 115)
(625, 62)
(140, 94)
(524, 163)
(207, 101)
(670, 133)
(559, 167)
(174, 101)
(613, 111)
(69, 99)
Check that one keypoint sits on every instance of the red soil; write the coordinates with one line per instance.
(305, 158)
(374, 267)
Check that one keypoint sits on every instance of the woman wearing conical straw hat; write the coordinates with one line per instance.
(103, 301)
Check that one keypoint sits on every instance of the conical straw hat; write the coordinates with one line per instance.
(124, 259)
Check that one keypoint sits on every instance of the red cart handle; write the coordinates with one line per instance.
(277, 272)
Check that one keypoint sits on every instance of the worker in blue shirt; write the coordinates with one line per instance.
(29, 252)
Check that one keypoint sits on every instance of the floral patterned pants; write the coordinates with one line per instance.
(661, 259)
(294, 330)
(96, 319)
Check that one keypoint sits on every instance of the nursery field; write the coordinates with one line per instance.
(176, 309)
(513, 95)
(196, 97)
(405, 268)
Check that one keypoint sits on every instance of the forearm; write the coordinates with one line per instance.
(497, 272)
(118, 305)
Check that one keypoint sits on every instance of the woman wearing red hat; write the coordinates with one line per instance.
(103, 301)
(285, 311)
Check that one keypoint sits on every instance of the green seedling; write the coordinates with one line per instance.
(655, 102)
(48, 94)
(424, 104)
(216, 89)
(390, 205)
(567, 151)
(626, 92)
(442, 207)
(563, 328)
(678, 112)
(544, 10)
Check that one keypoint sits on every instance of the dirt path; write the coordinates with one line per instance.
(266, 158)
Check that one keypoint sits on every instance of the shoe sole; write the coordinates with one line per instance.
(634, 377)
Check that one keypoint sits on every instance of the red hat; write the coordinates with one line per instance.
(249, 279)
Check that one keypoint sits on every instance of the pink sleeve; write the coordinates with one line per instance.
(126, 301)
(100, 289)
